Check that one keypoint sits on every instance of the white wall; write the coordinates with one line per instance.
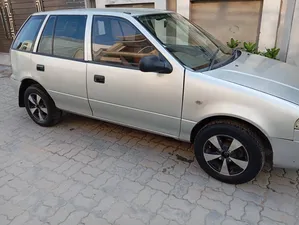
(269, 23)
(293, 51)
(183, 8)
(285, 28)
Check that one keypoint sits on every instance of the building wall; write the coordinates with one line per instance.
(75, 3)
(278, 26)
(229, 19)
(62, 4)
(285, 27)
(171, 5)
(137, 5)
(223, 18)
(118, 2)
(159, 4)
(293, 50)
(271, 23)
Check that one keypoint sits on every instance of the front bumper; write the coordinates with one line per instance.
(285, 153)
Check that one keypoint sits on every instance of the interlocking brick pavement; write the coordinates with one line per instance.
(5, 71)
(86, 172)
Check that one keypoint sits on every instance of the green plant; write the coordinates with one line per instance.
(271, 52)
(233, 43)
(251, 47)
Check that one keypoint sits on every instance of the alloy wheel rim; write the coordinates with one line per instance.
(226, 155)
(37, 107)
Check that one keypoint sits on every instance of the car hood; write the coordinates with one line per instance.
(263, 74)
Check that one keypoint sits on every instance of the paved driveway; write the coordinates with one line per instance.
(85, 171)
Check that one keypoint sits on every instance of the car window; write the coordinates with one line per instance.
(116, 41)
(27, 36)
(188, 43)
(46, 40)
(69, 36)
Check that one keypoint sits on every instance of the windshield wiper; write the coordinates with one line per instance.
(235, 53)
(213, 58)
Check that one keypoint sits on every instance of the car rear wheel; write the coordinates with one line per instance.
(229, 151)
(40, 107)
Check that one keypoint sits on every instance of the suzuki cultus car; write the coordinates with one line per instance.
(155, 71)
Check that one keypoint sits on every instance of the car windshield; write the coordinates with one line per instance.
(190, 44)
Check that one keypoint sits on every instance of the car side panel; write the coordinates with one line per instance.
(206, 96)
(148, 101)
(65, 81)
(285, 153)
(21, 64)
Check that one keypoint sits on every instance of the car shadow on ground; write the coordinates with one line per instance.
(113, 133)
(177, 150)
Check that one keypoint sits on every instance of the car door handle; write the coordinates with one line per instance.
(40, 67)
(99, 79)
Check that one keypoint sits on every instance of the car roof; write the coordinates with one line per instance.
(112, 11)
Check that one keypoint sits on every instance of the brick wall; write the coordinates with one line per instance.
(75, 3)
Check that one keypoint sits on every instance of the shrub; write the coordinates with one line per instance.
(233, 43)
(271, 53)
(250, 47)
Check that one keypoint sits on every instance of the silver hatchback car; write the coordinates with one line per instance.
(154, 70)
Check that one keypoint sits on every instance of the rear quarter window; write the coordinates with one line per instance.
(27, 36)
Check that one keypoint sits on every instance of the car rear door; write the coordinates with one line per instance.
(118, 91)
(59, 64)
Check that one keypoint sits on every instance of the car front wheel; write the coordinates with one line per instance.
(40, 107)
(229, 151)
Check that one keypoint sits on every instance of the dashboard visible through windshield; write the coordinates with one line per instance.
(192, 46)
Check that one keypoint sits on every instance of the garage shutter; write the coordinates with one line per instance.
(227, 19)
(22, 9)
(4, 41)
(145, 5)
(19, 10)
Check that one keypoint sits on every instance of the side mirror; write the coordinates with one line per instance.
(153, 63)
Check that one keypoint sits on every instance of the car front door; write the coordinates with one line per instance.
(118, 91)
(58, 63)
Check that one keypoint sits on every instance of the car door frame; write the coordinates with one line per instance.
(64, 101)
(177, 66)
(88, 35)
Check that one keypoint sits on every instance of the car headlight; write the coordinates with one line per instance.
(297, 125)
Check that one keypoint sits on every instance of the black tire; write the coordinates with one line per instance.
(252, 151)
(53, 115)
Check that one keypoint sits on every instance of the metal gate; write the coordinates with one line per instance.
(7, 32)
(13, 13)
